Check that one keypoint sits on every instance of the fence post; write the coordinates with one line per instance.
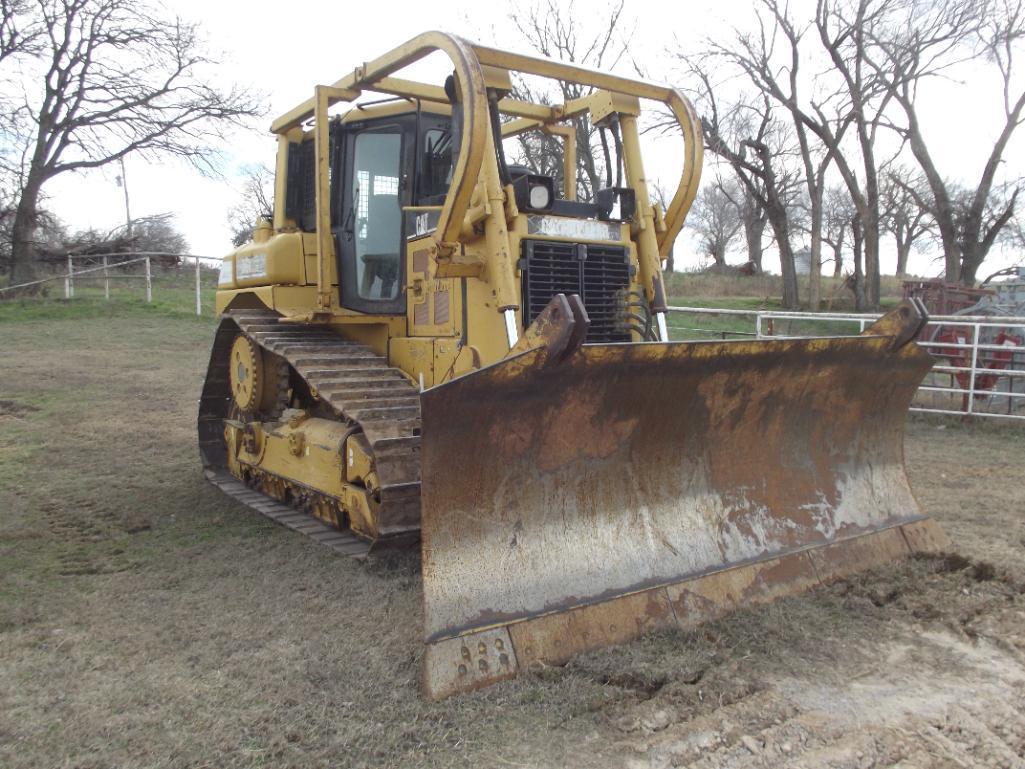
(106, 280)
(758, 325)
(199, 302)
(149, 282)
(69, 281)
(975, 362)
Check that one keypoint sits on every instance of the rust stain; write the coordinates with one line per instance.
(581, 429)
(550, 489)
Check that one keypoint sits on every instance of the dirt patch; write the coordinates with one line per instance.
(14, 410)
(897, 684)
(147, 620)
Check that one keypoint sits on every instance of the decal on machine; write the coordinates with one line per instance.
(251, 266)
(420, 223)
(578, 229)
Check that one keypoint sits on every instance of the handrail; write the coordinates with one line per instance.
(992, 320)
(80, 272)
(974, 382)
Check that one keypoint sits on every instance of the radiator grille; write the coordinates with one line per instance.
(599, 274)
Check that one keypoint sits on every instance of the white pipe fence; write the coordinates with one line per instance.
(143, 257)
(980, 359)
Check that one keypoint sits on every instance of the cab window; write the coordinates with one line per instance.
(435, 166)
(377, 210)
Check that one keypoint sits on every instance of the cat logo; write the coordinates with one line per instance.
(423, 225)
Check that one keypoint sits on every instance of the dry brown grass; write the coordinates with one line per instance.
(148, 621)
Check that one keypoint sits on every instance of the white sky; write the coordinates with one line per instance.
(285, 49)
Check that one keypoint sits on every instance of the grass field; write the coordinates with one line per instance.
(754, 293)
(148, 621)
(174, 292)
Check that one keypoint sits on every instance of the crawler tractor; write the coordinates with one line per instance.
(428, 343)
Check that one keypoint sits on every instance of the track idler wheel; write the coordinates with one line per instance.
(259, 379)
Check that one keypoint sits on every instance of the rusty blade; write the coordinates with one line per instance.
(632, 466)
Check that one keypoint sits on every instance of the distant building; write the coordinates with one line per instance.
(802, 261)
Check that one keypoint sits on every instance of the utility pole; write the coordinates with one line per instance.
(122, 182)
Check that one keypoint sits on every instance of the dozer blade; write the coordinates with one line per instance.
(576, 504)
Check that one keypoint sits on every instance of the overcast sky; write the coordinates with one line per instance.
(285, 49)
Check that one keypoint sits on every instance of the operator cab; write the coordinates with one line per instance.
(395, 158)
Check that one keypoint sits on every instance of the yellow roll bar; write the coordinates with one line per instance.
(468, 60)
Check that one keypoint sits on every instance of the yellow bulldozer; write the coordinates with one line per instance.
(428, 343)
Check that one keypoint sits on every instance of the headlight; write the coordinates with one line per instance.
(534, 192)
(540, 196)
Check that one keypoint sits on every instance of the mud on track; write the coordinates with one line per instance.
(148, 621)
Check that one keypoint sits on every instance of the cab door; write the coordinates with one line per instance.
(375, 187)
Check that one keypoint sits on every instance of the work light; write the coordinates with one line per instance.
(534, 192)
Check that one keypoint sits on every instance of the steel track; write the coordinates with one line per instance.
(359, 388)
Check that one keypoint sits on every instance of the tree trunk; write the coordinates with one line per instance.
(791, 300)
(870, 241)
(943, 210)
(838, 259)
(23, 235)
(903, 252)
(781, 229)
(971, 259)
(718, 254)
(815, 258)
(754, 229)
(670, 261)
(952, 263)
(858, 284)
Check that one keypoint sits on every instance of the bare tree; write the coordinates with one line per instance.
(753, 219)
(758, 149)
(1013, 236)
(716, 220)
(566, 32)
(839, 214)
(19, 31)
(159, 234)
(255, 200)
(543, 152)
(771, 59)
(842, 98)
(114, 77)
(156, 234)
(948, 33)
(905, 212)
(994, 218)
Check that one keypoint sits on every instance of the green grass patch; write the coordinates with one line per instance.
(173, 296)
(696, 326)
